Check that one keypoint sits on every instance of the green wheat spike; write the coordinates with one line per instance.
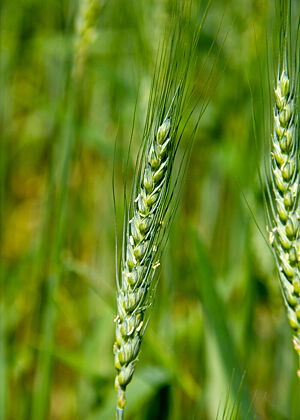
(154, 195)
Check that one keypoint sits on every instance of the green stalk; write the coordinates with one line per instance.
(43, 370)
(86, 32)
(120, 413)
(3, 373)
(3, 118)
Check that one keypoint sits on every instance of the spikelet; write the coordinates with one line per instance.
(284, 211)
(154, 196)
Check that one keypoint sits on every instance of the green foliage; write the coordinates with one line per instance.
(57, 288)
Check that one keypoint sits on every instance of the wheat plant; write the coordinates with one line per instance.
(284, 206)
(154, 196)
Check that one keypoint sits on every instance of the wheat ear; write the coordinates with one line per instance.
(139, 250)
(284, 194)
(154, 195)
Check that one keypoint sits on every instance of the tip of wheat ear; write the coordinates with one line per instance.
(138, 266)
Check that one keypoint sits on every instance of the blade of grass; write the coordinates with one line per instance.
(3, 117)
(43, 370)
(216, 318)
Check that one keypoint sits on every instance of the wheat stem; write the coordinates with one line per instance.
(120, 412)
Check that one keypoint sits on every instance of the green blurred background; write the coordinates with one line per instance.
(68, 87)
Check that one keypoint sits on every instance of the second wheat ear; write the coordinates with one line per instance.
(284, 206)
(155, 191)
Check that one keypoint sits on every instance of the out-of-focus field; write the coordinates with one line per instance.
(218, 312)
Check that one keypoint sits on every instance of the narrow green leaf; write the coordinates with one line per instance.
(216, 318)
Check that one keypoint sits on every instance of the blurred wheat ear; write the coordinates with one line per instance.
(155, 191)
(283, 191)
(86, 32)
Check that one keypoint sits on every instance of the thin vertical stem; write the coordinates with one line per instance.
(3, 118)
(120, 413)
